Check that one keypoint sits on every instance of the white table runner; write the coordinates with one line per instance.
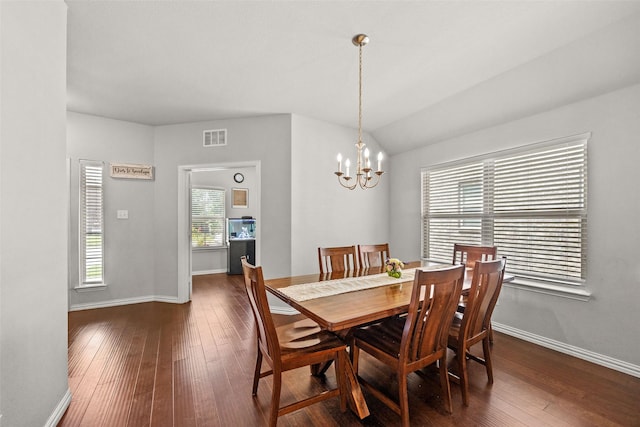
(307, 291)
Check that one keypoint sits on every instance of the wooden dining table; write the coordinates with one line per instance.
(342, 311)
(346, 310)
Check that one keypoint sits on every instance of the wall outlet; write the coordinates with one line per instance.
(122, 214)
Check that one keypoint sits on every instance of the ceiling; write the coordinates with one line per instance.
(432, 70)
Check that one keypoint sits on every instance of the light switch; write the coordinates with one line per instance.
(123, 214)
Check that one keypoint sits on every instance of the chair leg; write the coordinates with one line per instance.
(319, 369)
(444, 384)
(275, 399)
(256, 375)
(403, 400)
(490, 333)
(487, 359)
(461, 355)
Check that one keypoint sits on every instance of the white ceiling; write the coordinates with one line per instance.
(432, 70)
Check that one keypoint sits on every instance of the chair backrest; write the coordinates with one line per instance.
(426, 328)
(337, 259)
(373, 255)
(469, 254)
(483, 295)
(267, 335)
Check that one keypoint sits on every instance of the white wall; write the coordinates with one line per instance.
(129, 257)
(205, 261)
(322, 212)
(263, 139)
(33, 213)
(605, 324)
(301, 205)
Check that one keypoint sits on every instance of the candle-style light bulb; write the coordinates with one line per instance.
(379, 161)
(339, 162)
(367, 162)
(347, 163)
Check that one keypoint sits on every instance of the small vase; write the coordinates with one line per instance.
(395, 273)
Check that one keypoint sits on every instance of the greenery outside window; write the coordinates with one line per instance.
(207, 217)
(530, 202)
(91, 223)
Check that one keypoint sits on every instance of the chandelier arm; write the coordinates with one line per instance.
(342, 183)
(369, 182)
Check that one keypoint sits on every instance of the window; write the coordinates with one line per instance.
(207, 217)
(530, 202)
(91, 223)
(469, 203)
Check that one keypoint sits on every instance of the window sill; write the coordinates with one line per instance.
(571, 292)
(215, 248)
(91, 288)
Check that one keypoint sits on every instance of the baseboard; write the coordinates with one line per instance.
(203, 272)
(59, 411)
(580, 353)
(124, 301)
(164, 298)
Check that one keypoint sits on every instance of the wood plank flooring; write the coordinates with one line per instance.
(158, 364)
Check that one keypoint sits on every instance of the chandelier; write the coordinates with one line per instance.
(365, 176)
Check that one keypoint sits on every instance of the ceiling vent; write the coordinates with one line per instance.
(214, 138)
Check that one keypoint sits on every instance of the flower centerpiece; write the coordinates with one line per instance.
(394, 267)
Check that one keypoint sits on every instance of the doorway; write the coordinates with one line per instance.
(185, 177)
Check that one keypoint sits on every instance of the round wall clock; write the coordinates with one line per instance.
(238, 177)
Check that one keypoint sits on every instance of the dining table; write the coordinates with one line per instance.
(340, 300)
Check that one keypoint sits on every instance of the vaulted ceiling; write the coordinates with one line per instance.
(432, 70)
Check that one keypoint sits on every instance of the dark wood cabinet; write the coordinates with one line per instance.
(238, 248)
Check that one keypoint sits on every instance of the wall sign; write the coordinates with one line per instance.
(131, 171)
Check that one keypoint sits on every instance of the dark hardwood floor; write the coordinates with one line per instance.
(158, 364)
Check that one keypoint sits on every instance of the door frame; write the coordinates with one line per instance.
(184, 218)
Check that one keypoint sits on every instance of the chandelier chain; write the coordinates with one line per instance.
(360, 95)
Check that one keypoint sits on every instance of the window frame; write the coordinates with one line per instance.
(222, 218)
(84, 193)
(571, 287)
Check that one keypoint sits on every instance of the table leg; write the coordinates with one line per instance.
(356, 398)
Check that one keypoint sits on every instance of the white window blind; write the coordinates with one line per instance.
(207, 217)
(91, 223)
(531, 203)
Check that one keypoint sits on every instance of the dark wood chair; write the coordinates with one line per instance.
(468, 255)
(338, 262)
(373, 255)
(337, 259)
(473, 326)
(409, 343)
(290, 347)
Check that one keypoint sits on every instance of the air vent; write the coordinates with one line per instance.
(214, 138)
